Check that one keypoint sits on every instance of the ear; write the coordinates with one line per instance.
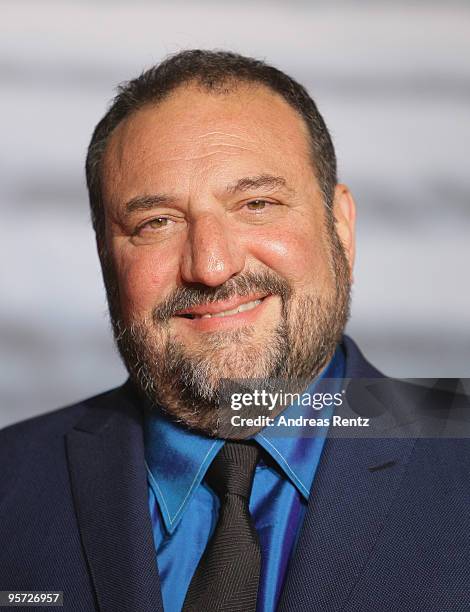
(344, 211)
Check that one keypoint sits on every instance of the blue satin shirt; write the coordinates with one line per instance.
(184, 509)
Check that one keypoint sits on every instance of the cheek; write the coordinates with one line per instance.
(144, 278)
(301, 257)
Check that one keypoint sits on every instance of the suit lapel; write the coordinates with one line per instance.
(352, 494)
(106, 459)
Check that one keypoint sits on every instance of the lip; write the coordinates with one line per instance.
(221, 306)
(240, 319)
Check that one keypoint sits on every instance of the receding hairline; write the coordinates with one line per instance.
(230, 86)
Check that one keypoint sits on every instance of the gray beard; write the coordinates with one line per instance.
(191, 387)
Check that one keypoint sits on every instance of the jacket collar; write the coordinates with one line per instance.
(109, 487)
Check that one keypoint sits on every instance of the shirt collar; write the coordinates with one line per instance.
(177, 459)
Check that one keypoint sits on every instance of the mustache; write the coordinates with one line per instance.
(242, 285)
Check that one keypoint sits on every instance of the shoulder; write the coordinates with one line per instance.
(357, 366)
(55, 422)
(40, 440)
(434, 408)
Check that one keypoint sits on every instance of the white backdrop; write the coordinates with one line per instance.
(392, 81)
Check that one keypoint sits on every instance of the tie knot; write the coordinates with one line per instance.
(233, 469)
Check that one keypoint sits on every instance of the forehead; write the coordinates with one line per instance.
(194, 131)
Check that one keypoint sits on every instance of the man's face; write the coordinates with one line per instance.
(220, 261)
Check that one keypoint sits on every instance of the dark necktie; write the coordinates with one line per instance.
(227, 577)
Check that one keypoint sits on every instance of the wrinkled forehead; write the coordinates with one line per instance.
(249, 122)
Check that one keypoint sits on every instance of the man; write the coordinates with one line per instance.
(227, 248)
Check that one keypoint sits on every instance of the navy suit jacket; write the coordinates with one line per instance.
(387, 527)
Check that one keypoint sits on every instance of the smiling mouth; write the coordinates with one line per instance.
(224, 313)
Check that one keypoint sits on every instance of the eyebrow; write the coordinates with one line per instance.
(258, 182)
(269, 181)
(147, 202)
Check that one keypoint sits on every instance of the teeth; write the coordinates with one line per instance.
(248, 306)
(227, 313)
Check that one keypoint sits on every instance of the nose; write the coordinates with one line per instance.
(211, 254)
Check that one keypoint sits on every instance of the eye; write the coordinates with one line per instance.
(158, 223)
(258, 205)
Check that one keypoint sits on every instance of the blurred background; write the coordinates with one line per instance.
(392, 81)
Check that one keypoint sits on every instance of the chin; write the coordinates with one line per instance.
(235, 354)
